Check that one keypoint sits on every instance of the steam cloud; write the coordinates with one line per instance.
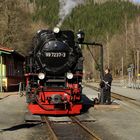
(66, 7)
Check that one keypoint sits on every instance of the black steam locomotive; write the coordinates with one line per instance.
(54, 70)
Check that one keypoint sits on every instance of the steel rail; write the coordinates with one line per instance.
(91, 133)
(118, 96)
(47, 122)
(125, 98)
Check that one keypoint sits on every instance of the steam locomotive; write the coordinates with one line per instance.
(53, 72)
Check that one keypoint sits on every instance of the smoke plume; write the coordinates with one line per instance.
(66, 7)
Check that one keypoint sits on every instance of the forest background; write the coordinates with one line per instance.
(114, 23)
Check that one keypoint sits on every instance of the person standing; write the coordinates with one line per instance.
(107, 79)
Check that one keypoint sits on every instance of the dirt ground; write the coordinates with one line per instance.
(109, 124)
(115, 124)
(12, 123)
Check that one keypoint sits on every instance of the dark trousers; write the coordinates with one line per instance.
(105, 95)
(108, 95)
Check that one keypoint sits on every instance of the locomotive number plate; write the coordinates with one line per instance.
(57, 54)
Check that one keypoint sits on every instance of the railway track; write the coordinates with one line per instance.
(118, 96)
(54, 135)
(93, 135)
(124, 98)
(83, 129)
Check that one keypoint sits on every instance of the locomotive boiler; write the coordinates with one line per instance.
(54, 71)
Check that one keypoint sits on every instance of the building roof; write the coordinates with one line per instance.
(9, 50)
(2, 48)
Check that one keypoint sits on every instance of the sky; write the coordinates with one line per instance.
(136, 1)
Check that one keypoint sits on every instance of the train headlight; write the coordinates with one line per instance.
(69, 75)
(56, 30)
(41, 76)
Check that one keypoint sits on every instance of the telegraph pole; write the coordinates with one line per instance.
(138, 63)
(1, 73)
(122, 68)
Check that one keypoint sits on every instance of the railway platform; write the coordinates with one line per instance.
(128, 92)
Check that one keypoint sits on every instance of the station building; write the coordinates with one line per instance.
(11, 69)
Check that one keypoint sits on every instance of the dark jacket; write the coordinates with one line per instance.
(108, 78)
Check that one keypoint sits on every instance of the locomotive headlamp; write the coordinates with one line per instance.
(56, 30)
(41, 76)
(80, 36)
(38, 31)
(69, 75)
